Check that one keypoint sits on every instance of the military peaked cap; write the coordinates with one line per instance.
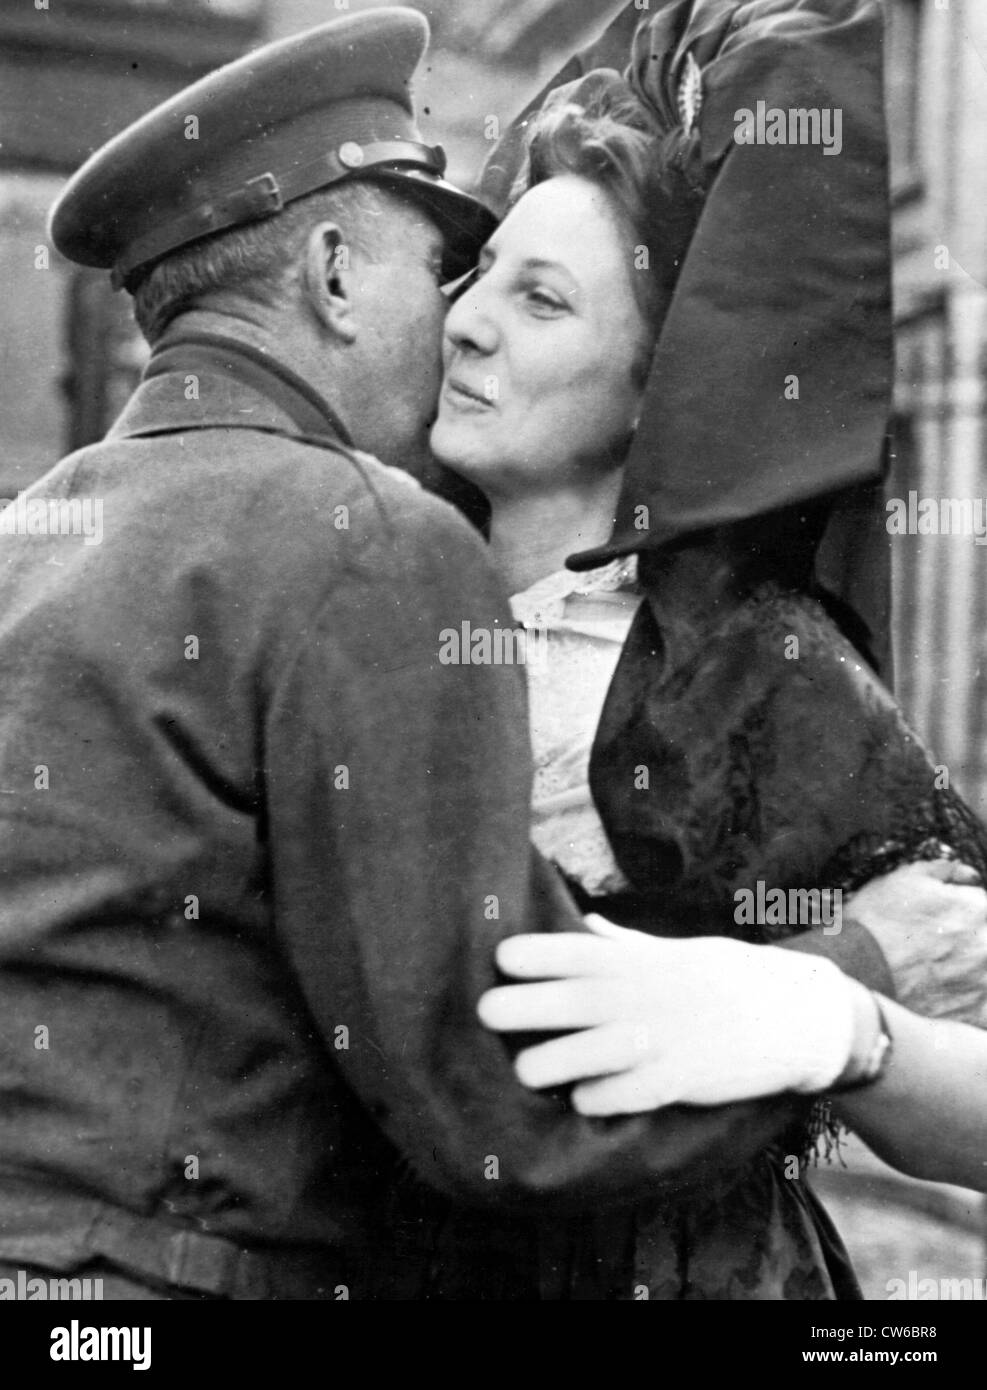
(295, 116)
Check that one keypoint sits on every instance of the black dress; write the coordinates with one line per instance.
(775, 756)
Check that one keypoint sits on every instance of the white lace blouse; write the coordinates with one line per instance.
(576, 624)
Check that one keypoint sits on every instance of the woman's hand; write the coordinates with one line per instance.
(703, 1021)
(930, 921)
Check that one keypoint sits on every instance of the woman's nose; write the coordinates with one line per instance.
(470, 323)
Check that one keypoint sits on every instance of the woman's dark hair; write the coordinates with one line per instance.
(651, 176)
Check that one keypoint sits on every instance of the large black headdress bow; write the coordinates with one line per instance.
(771, 381)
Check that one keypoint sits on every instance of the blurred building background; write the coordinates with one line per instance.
(72, 72)
(937, 82)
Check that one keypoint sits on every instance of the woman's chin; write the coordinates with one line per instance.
(453, 450)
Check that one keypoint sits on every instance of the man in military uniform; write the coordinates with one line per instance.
(258, 843)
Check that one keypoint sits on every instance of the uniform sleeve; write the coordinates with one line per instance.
(398, 789)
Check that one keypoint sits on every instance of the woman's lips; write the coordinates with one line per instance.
(463, 397)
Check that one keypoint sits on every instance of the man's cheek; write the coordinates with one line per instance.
(427, 399)
(430, 362)
(431, 325)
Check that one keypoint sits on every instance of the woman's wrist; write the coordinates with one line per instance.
(825, 1014)
(839, 1035)
(871, 1042)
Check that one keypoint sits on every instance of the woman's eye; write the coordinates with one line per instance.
(546, 301)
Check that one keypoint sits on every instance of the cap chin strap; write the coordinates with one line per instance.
(266, 195)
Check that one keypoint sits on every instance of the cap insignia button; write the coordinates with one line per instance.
(351, 155)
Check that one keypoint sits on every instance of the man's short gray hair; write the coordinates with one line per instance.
(257, 260)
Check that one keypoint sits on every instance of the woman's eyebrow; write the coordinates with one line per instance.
(543, 263)
(488, 256)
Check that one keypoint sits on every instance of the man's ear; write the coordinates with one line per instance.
(329, 281)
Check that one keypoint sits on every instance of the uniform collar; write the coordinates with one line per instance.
(208, 371)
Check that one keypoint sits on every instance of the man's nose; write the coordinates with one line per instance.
(470, 323)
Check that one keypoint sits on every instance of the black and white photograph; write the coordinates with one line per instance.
(493, 662)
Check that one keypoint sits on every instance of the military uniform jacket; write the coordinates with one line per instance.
(257, 845)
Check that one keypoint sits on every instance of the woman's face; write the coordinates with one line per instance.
(539, 390)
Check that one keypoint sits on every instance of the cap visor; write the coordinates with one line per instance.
(465, 222)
